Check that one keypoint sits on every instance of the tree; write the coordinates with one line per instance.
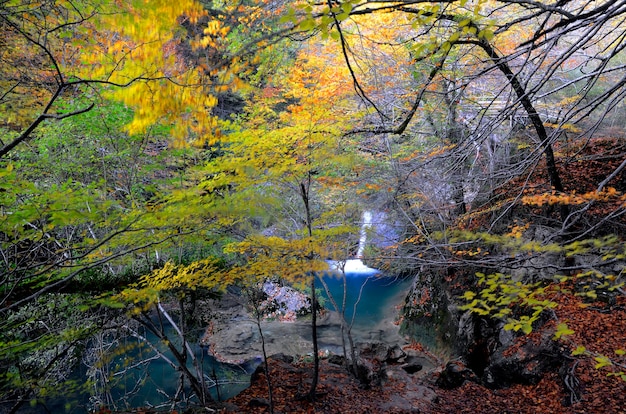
(504, 98)
(76, 222)
(77, 207)
(448, 107)
(484, 40)
(281, 171)
(62, 40)
(82, 52)
(175, 283)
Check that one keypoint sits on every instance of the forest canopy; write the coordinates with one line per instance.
(156, 153)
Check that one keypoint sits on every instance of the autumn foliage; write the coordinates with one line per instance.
(154, 154)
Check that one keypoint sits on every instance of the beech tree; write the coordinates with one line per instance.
(529, 53)
(61, 59)
(89, 92)
(497, 100)
(284, 169)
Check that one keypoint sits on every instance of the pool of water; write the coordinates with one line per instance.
(370, 297)
(157, 380)
(148, 385)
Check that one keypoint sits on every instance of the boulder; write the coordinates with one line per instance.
(370, 373)
(412, 367)
(381, 352)
(336, 359)
(524, 363)
(454, 375)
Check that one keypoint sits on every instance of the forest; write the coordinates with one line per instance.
(164, 163)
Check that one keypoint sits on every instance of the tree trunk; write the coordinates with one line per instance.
(345, 326)
(304, 193)
(535, 119)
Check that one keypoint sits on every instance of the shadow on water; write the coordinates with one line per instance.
(138, 377)
(159, 381)
(371, 299)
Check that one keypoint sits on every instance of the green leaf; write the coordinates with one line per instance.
(579, 350)
(602, 361)
(307, 25)
(562, 330)
(620, 374)
(288, 18)
(469, 295)
(486, 34)
(509, 327)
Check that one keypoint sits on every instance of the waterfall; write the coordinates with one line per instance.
(367, 223)
(356, 266)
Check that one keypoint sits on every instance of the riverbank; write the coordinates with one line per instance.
(233, 336)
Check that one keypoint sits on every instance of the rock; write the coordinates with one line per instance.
(336, 359)
(232, 334)
(523, 364)
(381, 352)
(370, 373)
(465, 331)
(407, 402)
(395, 353)
(454, 375)
(258, 403)
(506, 338)
(282, 360)
(282, 357)
(257, 373)
(412, 368)
(430, 365)
(413, 395)
(501, 358)
(430, 310)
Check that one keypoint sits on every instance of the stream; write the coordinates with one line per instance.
(371, 307)
(373, 296)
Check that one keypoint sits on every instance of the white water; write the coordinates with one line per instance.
(367, 223)
(356, 266)
(352, 267)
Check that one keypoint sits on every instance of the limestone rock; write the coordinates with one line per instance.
(454, 375)
(381, 352)
(525, 364)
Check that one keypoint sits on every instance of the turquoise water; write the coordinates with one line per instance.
(370, 295)
(149, 384)
(158, 379)
(370, 298)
